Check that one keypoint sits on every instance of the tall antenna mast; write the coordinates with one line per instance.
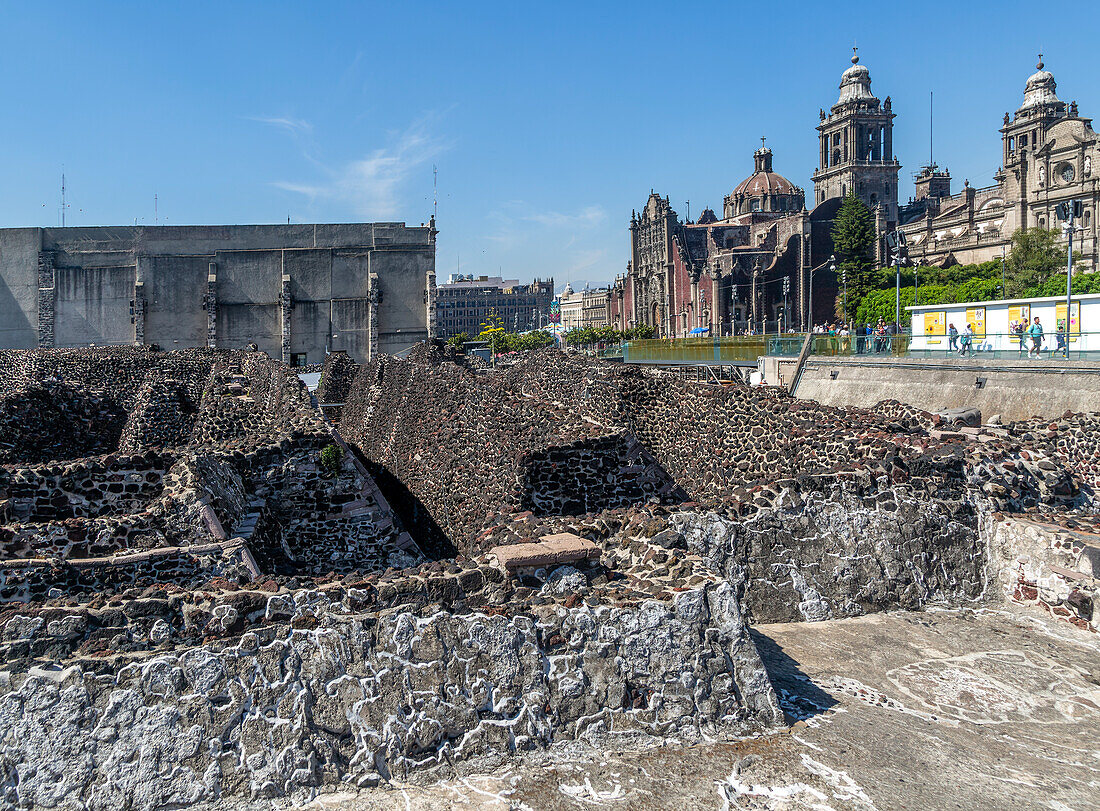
(435, 190)
(930, 129)
(62, 196)
(156, 210)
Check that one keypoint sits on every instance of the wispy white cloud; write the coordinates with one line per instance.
(295, 126)
(516, 220)
(370, 185)
(587, 217)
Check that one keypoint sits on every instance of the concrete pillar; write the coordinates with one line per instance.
(374, 297)
(137, 310)
(430, 304)
(285, 307)
(137, 303)
(47, 298)
(210, 304)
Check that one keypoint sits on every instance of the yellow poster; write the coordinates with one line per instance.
(976, 318)
(1020, 313)
(935, 323)
(1075, 317)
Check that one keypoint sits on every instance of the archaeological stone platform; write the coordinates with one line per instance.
(215, 590)
(1014, 389)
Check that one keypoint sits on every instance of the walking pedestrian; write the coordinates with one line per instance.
(1063, 345)
(1035, 332)
(967, 344)
(952, 337)
(1018, 328)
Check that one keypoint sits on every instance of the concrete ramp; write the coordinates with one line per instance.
(1013, 389)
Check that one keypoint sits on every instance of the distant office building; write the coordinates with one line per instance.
(465, 302)
(590, 307)
(572, 309)
(295, 291)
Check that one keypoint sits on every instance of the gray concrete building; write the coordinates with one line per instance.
(295, 291)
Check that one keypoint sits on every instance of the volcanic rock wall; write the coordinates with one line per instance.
(361, 697)
(454, 450)
(213, 445)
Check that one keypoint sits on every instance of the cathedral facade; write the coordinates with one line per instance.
(752, 267)
(1049, 156)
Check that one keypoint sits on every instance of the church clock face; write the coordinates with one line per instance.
(1067, 173)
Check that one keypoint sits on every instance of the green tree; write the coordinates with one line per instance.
(854, 244)
(1034, 257)
(458, 341)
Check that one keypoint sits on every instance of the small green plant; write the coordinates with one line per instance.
(331, 457)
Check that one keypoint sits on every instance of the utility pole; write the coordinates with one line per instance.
(1004, 288)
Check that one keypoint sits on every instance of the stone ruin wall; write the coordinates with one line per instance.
(365, 697)
(821, 511)
(292, 642)
(238, 450)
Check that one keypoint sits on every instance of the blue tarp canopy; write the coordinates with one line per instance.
(700, 331)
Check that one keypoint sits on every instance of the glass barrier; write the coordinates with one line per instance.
(1009, 346)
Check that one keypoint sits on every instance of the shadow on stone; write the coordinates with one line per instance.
(799, 697)
(417, 518)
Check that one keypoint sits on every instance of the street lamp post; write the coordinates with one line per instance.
(786, 291)
(844, 279)
(832, 269)
(895, 241)
(1068, 211)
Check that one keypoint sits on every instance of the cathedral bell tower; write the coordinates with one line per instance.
(856, 149)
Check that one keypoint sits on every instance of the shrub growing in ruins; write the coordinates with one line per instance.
(331, 457)
(458, 342)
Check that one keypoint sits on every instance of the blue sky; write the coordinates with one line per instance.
(548, 122)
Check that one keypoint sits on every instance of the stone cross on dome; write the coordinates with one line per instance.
(855, 56)
(762, 139)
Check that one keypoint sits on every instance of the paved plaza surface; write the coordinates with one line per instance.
(922, 710)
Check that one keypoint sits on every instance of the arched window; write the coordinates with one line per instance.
(754, 204)
(1087, 218)
(874, 199)
(843, 190)
(1042, 222)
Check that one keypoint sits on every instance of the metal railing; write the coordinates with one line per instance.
(743, 350)
(698, 351)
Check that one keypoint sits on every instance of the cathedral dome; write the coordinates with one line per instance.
(764, 190)
(760, 183)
